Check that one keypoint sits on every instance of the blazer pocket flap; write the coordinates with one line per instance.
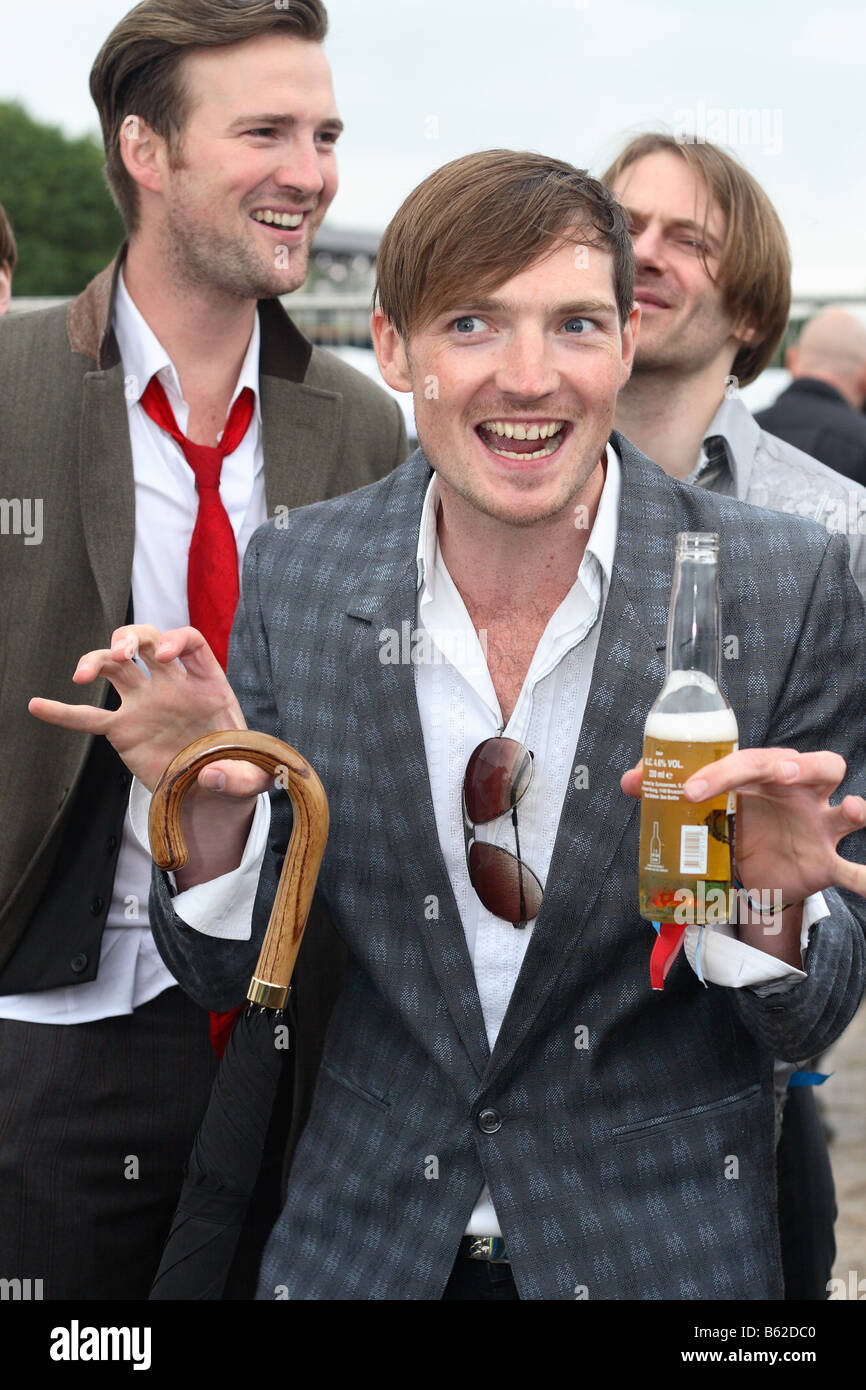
(644, 1128)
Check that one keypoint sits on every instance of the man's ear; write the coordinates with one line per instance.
(143, 153)
(792, 357)
(390, 352)
(745, 332)
(630, 331)
(5, 287)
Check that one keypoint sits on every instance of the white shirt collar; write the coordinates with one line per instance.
(143, 356)
(442, 612)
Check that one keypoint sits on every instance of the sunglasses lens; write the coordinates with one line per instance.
(505, 886)
(497, 776)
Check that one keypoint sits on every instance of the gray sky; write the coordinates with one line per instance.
(422, 81)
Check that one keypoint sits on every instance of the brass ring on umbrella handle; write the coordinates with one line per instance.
(270, 984)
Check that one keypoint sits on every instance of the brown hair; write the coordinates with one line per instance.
(138, 69)
(478, 221)
(8, 249)
(754, 270)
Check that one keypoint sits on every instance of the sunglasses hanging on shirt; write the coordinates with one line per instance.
(497, 776)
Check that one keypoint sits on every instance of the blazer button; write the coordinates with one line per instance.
(111, 844)
(489, 1121)
(78, 963)
(96, 906)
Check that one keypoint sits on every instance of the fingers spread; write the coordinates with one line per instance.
(126, 641)
(85, 719)
(848, 816)
(766, 768)
(124, 675)
(189, 646)
(823, 770)
(850, 876)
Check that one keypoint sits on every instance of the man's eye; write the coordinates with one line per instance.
(577, 327)
(263, 130)
(469, 323)
(328, 137)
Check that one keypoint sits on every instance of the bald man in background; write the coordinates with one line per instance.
(820, 411)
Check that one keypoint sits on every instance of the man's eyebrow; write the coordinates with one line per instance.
(281, 119)
(570, 309)
(684, 224)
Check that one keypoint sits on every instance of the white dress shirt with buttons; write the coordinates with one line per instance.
(459, 708)
(131, 971)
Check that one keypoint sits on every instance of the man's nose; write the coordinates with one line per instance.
(302, 167)
(526, 368)
(649, 250)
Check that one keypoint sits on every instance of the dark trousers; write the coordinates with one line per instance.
(96, 1124)
(807, 1199)
(480, 1279)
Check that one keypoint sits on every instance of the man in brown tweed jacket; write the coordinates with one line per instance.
(219, 126)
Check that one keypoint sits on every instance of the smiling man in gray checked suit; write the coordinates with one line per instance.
(492, 1089)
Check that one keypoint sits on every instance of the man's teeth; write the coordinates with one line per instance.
(523, 431)
(279, 219)
(506, 430)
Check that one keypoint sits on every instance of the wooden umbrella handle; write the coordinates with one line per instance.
(270, 984)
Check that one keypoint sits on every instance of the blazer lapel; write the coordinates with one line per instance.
(107, 494)
(300, 432)
(300, 423)
(107, 490)
(387, 706)
(628, 674)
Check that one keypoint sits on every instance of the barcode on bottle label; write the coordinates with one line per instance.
(693, 849)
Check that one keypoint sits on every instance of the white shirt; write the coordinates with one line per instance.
(459, 708)
(131, 971)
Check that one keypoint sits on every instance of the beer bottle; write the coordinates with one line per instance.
(687, 848)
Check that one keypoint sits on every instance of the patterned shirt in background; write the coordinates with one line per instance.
(740, 459)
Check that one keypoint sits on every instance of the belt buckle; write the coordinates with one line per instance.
(490, 1248)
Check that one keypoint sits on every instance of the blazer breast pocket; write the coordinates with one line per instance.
(660, 1124)
(381, 1102)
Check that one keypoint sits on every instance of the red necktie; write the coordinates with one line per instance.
(212, 572)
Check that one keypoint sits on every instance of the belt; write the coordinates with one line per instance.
(489, 1248)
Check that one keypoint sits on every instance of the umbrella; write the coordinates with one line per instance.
(224, 1164)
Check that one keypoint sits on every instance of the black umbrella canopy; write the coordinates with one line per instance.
(227, 1155)
(225, 1161)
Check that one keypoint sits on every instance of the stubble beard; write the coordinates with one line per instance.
(683, 350)
(201, 258)
(490, 507)
(673, 350)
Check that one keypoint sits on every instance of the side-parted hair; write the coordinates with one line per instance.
(754, 269)
(8, 249)
(138, 69)
(479, 220)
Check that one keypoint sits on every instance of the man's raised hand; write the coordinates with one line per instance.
(182, 695)
(787, 830)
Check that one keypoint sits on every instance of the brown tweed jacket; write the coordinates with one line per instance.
(64, 441)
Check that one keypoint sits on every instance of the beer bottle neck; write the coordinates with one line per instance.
(694, 621)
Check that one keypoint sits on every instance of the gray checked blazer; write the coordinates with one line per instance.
(610, 1166)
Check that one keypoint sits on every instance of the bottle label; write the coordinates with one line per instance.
(686, 847)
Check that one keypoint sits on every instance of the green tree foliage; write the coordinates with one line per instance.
(65, 224)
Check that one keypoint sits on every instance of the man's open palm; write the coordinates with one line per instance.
(183, 695)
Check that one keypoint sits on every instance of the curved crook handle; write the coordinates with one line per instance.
(270, 984)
